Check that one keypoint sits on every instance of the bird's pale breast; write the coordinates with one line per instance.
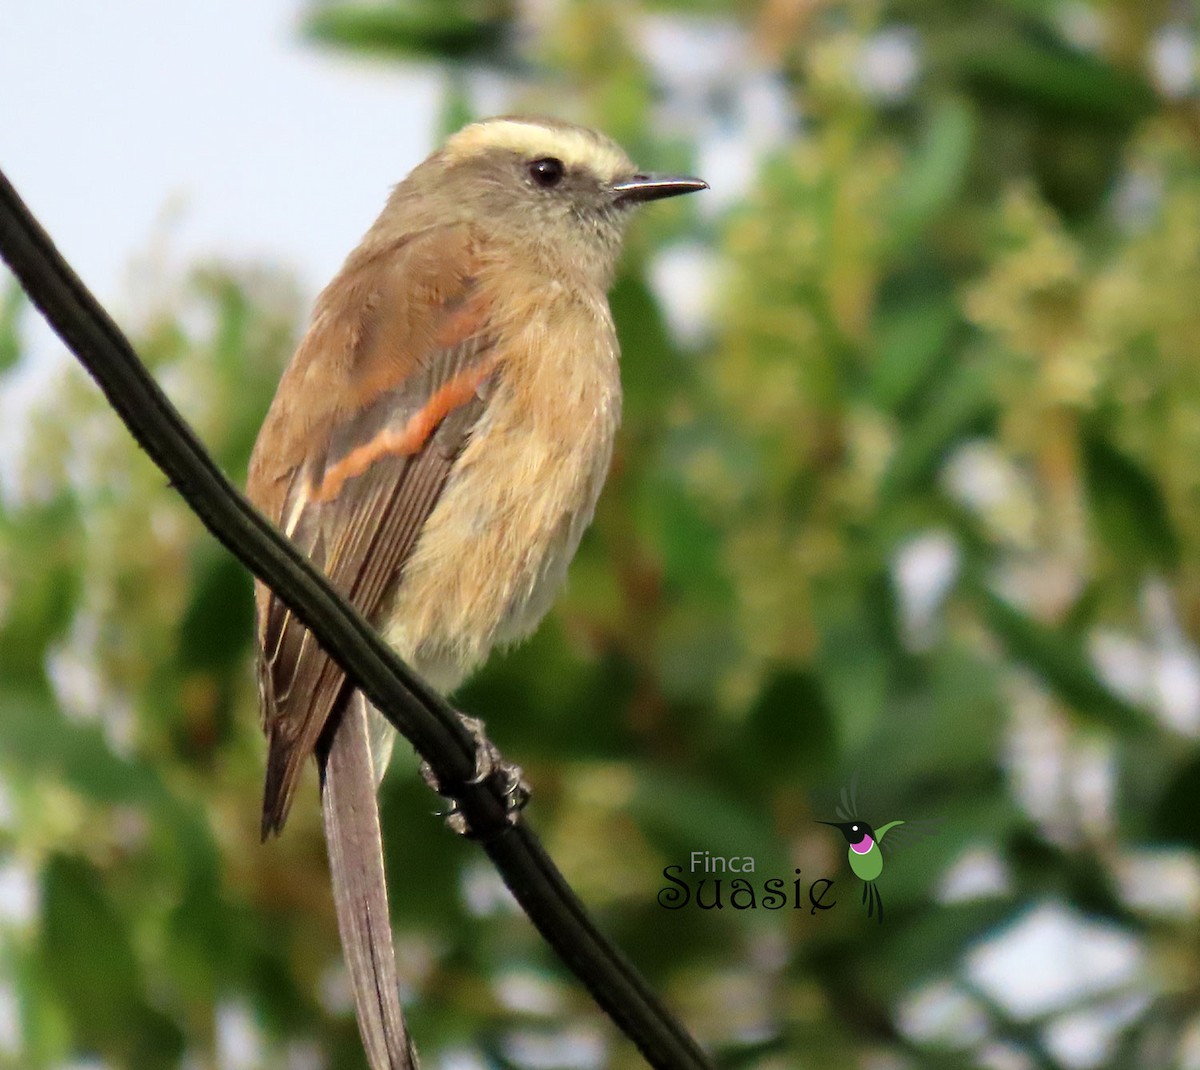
(494, 551)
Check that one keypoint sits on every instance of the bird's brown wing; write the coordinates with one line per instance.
(383, 394)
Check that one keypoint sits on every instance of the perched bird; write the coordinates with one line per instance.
(436, 446)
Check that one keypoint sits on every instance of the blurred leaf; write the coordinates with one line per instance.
(854, 665)
(38, 548)
(911, 337)
(934, 173)
(929, 945)
(411, 812)
(198, 938)
(685, 815)
(689, 7)
(570, 707)
(234, 316)
(90, 961)
(215, 632)
(689, 542)
(949, 822)
(44, 1024)
(943, 720)
(1063, 665)
(453, 29)
(790, 731)
(963, 404)
(37, 740)
(651, 366)
(1128, 509)
(696, 646)
(12, 308)
(1174, 817)
(1051, 79)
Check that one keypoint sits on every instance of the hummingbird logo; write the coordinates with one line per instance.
(867, 846)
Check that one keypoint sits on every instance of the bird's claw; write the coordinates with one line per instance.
(488, 763)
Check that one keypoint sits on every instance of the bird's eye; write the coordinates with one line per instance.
(547, 171)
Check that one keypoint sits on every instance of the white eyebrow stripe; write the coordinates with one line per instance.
(575, 148)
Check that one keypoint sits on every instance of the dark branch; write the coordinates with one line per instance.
(415, 709)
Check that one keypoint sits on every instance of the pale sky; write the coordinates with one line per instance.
(214, 126)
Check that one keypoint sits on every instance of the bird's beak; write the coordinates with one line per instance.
(831, 824)
(636, 188)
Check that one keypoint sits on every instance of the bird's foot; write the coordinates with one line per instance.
(489, 764)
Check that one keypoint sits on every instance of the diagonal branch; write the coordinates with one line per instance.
(413, 707)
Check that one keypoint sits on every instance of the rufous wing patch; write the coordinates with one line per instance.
(410, 438)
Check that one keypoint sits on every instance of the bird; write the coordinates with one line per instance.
(867, 847)
(436, 446)
(866, 858)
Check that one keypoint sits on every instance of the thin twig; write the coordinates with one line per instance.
(412, 706)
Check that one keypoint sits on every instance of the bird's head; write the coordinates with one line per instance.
(554, 187)
(856, 832)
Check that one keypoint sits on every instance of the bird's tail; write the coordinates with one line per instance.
(873, 900)
(352, 834)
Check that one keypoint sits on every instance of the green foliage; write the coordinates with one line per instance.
(909, 503)
(11, 306)
(450, 29)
